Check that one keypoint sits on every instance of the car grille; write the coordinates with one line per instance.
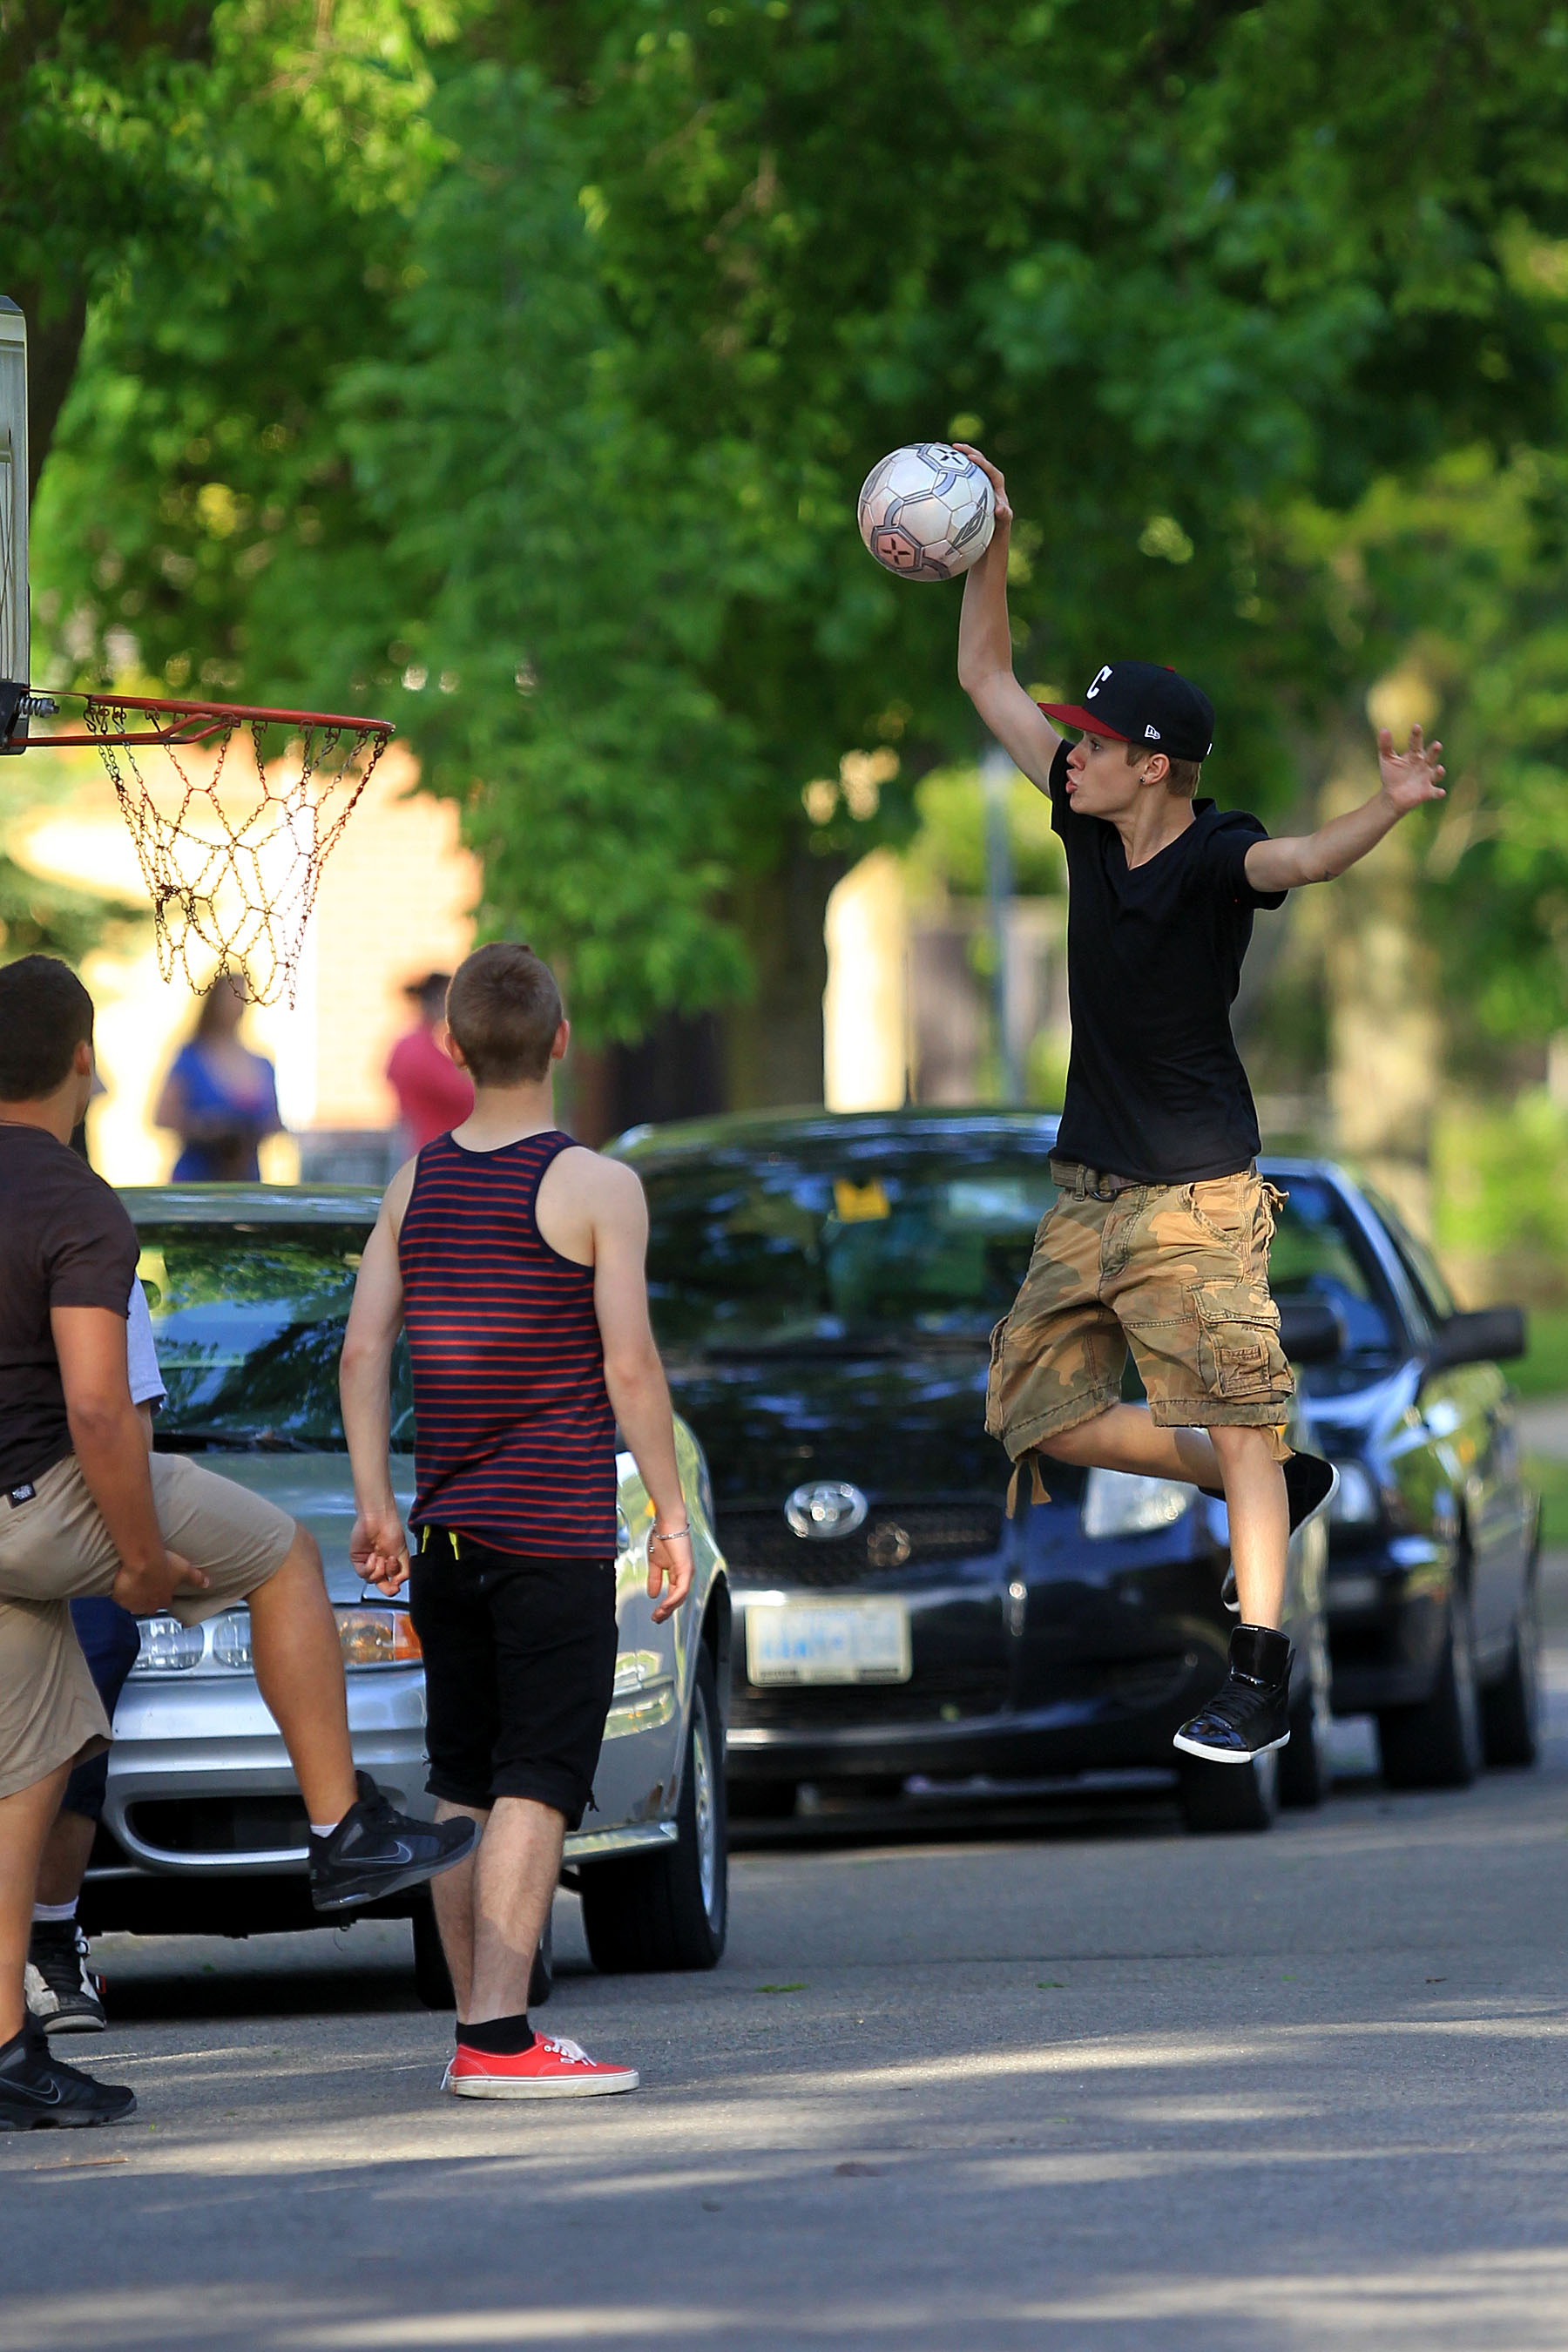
(219, 1824)
(947, 1694)
(761, 1547)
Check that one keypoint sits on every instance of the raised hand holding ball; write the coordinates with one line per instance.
(927, 512)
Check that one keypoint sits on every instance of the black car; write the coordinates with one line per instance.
(823, 1288)
(1435, 1536)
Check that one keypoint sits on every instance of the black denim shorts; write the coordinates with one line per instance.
(520, 1669)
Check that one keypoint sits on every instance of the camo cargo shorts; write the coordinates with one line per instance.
(1178, 1271)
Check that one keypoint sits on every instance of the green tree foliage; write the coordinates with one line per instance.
(93, 159)
(548, 439)
(1460, 577)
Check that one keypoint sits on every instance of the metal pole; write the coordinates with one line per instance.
(996, 777)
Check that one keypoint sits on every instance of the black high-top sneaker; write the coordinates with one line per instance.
(63, 1994)
(1311, 1486)
(1250, 1712)
(375, 1850)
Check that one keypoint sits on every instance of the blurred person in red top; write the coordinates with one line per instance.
(433, 1093)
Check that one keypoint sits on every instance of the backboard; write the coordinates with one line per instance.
(14, 609)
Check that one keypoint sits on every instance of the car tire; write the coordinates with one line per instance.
(670, 1910)
(1217, 1798)
(1438, 1745)
(1304, 1764)
(1511, 1709)
(433, 1979)
(1303, 1770)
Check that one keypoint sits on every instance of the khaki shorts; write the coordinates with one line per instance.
(1178, 1271)
(55, 1548)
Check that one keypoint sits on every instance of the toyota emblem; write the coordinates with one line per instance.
(827, 1508)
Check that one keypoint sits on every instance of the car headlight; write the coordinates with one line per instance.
(372, 1636)
(368, 1635)
(231, 1639)
(1357, 1504)
(1115, 1502)
(168, 1647)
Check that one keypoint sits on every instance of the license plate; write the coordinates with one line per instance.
(828, 1641)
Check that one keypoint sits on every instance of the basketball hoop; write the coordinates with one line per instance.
(232, 858)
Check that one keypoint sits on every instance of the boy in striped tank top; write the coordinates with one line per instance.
(513, 1259)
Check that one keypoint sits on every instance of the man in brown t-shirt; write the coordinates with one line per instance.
(84, 1509)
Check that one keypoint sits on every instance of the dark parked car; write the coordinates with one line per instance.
(824, 1289)
(1434, 1536)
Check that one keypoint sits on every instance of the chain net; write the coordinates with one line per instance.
(230, 836)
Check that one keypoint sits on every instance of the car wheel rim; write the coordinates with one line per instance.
(707, 1813)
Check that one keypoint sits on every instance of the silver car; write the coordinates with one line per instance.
(204, 1830)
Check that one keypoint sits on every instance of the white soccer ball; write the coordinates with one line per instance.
(927, 512)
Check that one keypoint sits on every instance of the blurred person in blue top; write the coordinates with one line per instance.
(219, 1097)
(62, 1991)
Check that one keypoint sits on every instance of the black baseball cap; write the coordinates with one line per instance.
(1143, 703)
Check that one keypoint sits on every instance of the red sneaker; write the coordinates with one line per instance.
(552, 2069)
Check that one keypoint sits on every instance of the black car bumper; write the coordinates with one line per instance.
(1069, 1658)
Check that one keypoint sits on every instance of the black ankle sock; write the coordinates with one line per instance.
(499, 2037)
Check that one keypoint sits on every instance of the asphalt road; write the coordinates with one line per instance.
(1066, 2080)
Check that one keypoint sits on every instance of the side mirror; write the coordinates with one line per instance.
(1493, 1334)
(1310, 1332)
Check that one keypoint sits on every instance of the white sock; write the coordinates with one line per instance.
(322, 1828)
(50, 1915)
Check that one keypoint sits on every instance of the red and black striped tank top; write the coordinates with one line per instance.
(514, 1438)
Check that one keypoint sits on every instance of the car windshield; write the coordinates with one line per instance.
(249, 1322)
(859, 1248)
(854, 1248)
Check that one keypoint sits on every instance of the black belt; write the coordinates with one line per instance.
(1092, 1184)
(1100, 1184)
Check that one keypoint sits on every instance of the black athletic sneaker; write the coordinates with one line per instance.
(63, 1994)
(1311, 1486)
(40, 2092)
(375, 1850)
(1250, 1712)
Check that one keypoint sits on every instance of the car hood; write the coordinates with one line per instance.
(317, 1490)
(897, 1426)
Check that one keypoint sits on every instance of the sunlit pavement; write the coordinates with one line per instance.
(1072, 2081)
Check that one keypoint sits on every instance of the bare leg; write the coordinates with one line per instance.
(1259, 1521)
(515, 1873)
(67, 1851)
(300, 1668)
(452, 1895)
(1125, 1438)
(26, 1818)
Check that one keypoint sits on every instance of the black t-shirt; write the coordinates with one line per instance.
(65, 1240)
(1155, 1088)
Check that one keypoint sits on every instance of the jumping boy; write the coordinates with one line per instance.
(514, 1259)
(85, 1509)
(1161, 1236)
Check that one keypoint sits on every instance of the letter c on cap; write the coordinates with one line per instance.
(1100, 677)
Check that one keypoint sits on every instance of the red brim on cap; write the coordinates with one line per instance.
(1071, 714)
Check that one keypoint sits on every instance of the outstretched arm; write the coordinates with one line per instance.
(1409, 778)
(985, 648)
